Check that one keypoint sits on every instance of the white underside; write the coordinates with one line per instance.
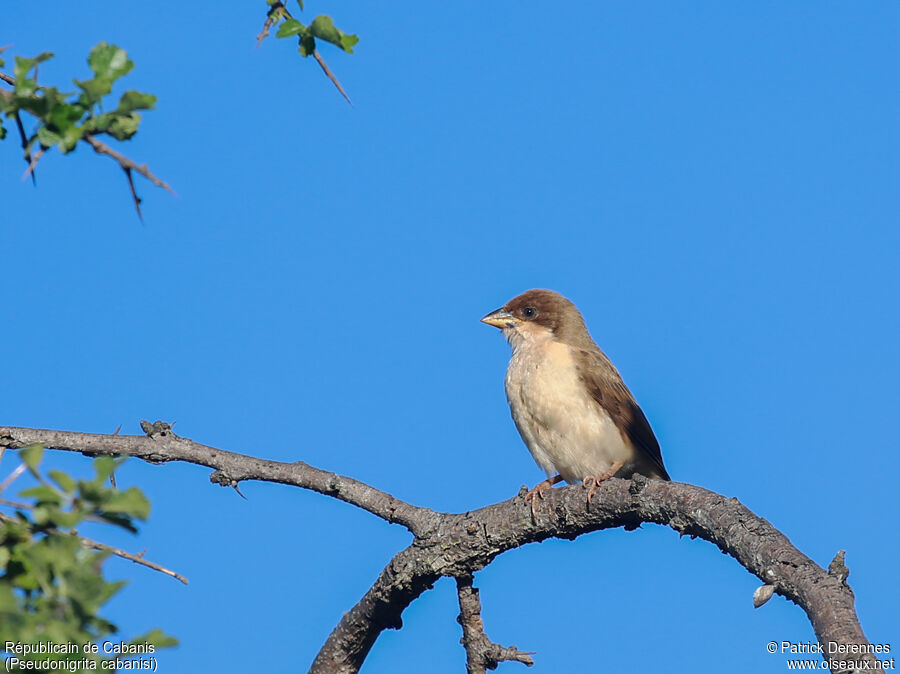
(564, 428)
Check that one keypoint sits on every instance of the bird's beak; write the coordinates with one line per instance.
(501, 319)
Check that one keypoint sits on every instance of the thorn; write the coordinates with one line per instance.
(134, 195)
(238, 490)
(330, 75)
(24, 138)
(31, 166)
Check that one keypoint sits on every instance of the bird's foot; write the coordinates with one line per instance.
(539, 491)
(593, 481)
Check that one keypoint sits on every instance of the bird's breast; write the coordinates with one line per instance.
(564, 428)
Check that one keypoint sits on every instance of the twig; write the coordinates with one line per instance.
(330, 75)
(16, 504)
(9, 79)
(126, 163)
(137, 559)
(230, 468)
(276, 12)
(118, 552)
(481, 653)
(264, 33)
(21, 468)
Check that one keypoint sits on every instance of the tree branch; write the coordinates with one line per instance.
(126, 163)
(465, 543)
(481, 653)
(230, 467)
(458, 545)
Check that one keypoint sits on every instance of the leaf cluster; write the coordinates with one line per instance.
(322, 28)
(52, 587)
(64, 118)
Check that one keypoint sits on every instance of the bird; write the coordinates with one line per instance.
(568, 401)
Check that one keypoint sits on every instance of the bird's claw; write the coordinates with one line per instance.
(594, 480)
(539, 491)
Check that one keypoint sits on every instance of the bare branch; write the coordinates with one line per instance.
(264, 33)
(9, 79)
(126, 163)
(481, 653)
(137, 559)
(457, 545)
(463, 544)
(230, 468)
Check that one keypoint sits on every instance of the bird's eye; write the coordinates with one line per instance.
(529, 312)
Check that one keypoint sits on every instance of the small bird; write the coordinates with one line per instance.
(574, 412)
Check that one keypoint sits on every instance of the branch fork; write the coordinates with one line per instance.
(460, 544)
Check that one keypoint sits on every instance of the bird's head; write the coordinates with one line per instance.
(537, 315)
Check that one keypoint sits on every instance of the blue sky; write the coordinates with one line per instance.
(715, 186)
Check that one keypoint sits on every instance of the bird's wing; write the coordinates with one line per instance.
(605, 385)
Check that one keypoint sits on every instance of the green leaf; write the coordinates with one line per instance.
(65, 519)
(2, 130)
(307, 45)
(323, 28)
(63, 480)
(104, 466)
(91, 491)
(43, 494)
(25, 86)
(157, 638)
(24, 65)
(32, 455)
(290, 27)
(300, 2)
(119, 520)
(99, 123)
(94, 89)
(136, 100)
(124, 127)
(63, 116)
(109, 61)
(129, 502)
